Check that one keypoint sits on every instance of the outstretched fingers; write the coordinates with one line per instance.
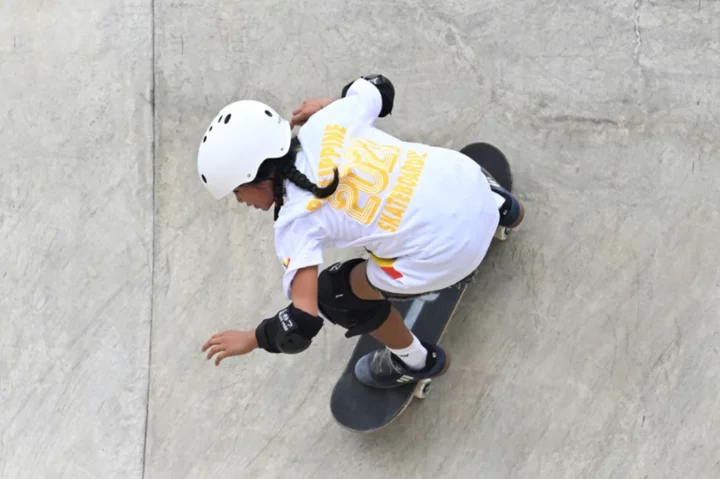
(216, 344)
(220, 357)
(214, 339)
(230, 343)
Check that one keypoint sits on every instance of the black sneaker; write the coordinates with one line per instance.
(512, 211)
(383, 369)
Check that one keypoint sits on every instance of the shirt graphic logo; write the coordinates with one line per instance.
(387, 265)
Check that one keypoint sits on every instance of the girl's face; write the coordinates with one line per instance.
(258, 195)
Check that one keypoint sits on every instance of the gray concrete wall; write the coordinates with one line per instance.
(76, 222)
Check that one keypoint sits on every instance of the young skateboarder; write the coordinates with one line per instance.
(426, 215)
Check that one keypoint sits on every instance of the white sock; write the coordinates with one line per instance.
(414, 356)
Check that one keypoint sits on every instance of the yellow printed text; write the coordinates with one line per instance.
(392, 214)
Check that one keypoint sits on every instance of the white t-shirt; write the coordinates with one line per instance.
(426, 213)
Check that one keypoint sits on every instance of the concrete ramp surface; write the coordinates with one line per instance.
(588, 348)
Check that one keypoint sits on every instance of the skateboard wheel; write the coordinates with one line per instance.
(423, 387)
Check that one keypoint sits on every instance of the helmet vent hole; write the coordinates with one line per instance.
(203, 178)
(267, 112)
(211, 128)
(220, 119)
(227, 118)
(204, 138)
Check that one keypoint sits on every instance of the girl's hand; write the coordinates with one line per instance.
(230, 343)
(308, 109)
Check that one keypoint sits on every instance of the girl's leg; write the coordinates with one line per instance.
(406, 358)
(392, 333)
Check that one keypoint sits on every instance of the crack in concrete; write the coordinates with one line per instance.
(638, 38)
(580, 119)
(154, 247)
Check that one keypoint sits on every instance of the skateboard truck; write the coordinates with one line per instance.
(501, 233)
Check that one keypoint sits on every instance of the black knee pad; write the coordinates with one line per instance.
(339, 305)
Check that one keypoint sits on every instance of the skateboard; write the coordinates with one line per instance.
(361, 408)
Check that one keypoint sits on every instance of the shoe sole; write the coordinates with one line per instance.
(522, 208)
(520, 217)
(448, 360)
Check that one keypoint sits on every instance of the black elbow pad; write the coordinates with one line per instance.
(384, 86)
(290, 331)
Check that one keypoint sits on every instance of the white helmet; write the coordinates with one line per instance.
(239, 139)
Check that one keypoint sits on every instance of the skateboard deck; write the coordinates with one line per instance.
(361, 408)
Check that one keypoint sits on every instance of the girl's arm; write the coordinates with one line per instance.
(292, 329)
(304, 290)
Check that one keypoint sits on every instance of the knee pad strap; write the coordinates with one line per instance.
(339, 305)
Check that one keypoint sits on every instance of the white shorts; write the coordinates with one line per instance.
(408, 276)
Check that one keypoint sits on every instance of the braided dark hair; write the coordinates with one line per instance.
(291, 173)
(285, 169)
